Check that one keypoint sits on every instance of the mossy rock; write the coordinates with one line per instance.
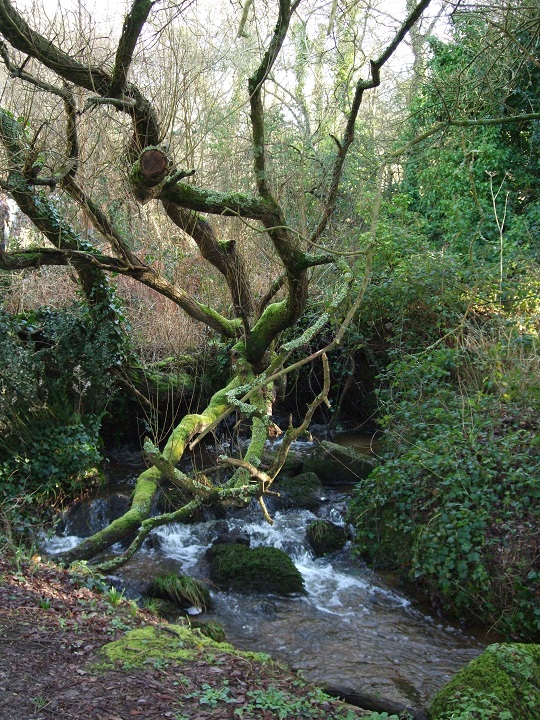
(503, 683)
(162, 644)
(211, 629)
(292, 465)
(338, 465)
(302, 491)
(260, 569)
(180, 589)
(325, 537)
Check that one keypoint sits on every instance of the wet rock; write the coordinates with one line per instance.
(302, 491)
(226, 536)
(337, 465)
(153, 542)
(268, 609)
(89, 516)
(375, 704)
(292, 465)
(260, 569)
(326, 537)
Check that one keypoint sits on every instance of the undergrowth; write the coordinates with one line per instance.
(455, 500)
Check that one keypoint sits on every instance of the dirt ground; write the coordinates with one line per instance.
(52, 628)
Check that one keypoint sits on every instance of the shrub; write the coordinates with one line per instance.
(455, 502)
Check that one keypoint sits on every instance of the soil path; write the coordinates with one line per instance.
(52, 628)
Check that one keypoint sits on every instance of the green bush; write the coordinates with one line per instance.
(55, 384)
(455, 500)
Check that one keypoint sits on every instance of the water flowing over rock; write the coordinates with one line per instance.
(351, 630)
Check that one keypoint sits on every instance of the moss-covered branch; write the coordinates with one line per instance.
(148, 482)
(38, 208)
(200, 486)
(130, 522)
(131, 30)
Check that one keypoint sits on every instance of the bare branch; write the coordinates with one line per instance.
(101, 222)
(348, 136)
(255, 84)
(475, 122)
(16, 72)
(293, 434)
(90, 77)
(243, 20)
(133, 25)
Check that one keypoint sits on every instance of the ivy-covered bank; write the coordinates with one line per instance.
(454, 503)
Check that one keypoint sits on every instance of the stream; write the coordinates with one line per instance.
(352, 630)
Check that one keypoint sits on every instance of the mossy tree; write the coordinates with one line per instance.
(253, 325)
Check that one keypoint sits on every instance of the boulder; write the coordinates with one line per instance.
(212, 629)
(504, 681)
(338, 465)
(260, 569)
(302, 491)
(326, 537)
(292, 465)
(182, 590)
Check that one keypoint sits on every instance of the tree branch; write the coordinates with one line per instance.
(102, 223)
(90, 77)
(475, 122)
(348, 136)
(131, 30)
(16, 72)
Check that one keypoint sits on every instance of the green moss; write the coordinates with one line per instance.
(266, 329)
(261, 569)
(326, 537)
(257, 443)
(190, 424)
(145, 490)
(153, 643)
(162, 644)
(182, 590)
(503, 683)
